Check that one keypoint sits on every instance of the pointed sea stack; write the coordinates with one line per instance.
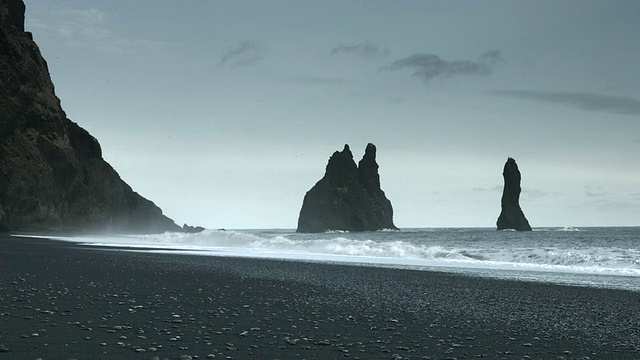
(52, 174)
(348, 197)
(511, 216)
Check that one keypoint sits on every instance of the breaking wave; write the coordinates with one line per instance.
(454, 248)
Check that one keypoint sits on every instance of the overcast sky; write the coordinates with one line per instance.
(224, 113)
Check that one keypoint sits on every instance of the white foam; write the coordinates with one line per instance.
(390, 248)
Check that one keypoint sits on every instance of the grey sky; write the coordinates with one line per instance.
(225, 112)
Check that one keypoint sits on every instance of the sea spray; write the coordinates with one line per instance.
(592, 251)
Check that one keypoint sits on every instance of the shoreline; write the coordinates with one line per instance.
(613, 279)
(85, 303)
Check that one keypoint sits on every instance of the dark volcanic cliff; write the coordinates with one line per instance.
(348, 197)
(511, 216)
(52, 174)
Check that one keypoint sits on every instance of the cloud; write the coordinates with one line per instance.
(491, 57)
(617, 206)
(364, 50)
(596, 193)
(584, 101)
(430, 66)
(85, 28)
(607, 201)
(85, 16)
(527, 193)
(242, 54)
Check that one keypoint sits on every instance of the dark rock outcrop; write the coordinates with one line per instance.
(52, 175)
(348, 197)
(511, 216)
(192, 229)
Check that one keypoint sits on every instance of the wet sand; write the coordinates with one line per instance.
(62, 301)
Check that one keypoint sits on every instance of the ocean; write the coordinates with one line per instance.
(605, 257)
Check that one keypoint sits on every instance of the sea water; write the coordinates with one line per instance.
(600, 257)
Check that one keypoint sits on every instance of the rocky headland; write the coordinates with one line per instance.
(348, 197)
(511, 216)
(52, 174)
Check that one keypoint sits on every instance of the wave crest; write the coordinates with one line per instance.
(402, 248)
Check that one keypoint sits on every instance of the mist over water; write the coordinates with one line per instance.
(603, 257)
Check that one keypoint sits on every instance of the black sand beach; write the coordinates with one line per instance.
(62, 301)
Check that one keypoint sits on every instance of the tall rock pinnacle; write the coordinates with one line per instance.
(511, 216)
(348, 197)
(52, 174)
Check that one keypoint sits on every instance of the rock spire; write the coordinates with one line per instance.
(511, 216)
(348, 197)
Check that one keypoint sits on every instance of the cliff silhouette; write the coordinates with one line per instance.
(52, 174)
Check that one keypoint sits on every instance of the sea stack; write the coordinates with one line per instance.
(348, 197)
(52, 174)
(511, 216)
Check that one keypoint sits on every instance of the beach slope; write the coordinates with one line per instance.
(60, 300)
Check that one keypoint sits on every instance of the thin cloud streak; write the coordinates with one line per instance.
(528, 193)
(612, 205)
(494, 188)
(242, 54)
(90, 17)
(365, 50)
(430, 66)
(596, 192)
(87, 28)
(580, 100)
(534, 194)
